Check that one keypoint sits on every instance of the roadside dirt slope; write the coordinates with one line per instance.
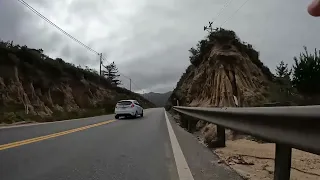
(33, 84)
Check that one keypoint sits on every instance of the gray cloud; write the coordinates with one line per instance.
(12, 18)
(149, 40)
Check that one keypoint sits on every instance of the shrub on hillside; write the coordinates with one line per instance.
(9, 117)
(32, 62)
(44, 72)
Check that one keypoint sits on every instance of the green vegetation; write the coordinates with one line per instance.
(296, 86)
(303, 88)
(306, 73)
(282, 83)
(282, 70)
(43, 70)
(111, 73)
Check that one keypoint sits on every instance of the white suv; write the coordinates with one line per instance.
(128, 108)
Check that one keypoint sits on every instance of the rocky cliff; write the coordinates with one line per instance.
(224, 72)
(223, 68)
(35, 86)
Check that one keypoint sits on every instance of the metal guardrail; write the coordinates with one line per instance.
(289, 127)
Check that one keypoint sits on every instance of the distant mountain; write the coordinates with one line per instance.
(159, 99)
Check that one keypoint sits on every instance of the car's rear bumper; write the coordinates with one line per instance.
(124, 113)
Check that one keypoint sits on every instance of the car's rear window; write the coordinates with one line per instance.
(124, 103)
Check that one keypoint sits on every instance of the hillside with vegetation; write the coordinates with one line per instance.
(227, 72)
(223, 67)
(35, 87)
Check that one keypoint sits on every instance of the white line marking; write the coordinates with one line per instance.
(181, 163)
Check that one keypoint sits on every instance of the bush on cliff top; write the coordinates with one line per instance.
(223, 36)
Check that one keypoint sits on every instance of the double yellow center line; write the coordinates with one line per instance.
(41, 138)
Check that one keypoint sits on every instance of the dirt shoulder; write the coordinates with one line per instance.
(256, 160)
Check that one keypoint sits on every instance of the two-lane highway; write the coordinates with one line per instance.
(124, 149)
(103, 148)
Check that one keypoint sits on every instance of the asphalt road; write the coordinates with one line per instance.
(97, 148)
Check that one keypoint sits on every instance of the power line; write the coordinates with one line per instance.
(234, 13)
(222, 9)
(104, 59)
(136, 86)
(56, 26)
(71, 37)
(131, 81)
(121, 74)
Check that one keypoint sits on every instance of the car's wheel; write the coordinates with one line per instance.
(117, 116)
(141, 115)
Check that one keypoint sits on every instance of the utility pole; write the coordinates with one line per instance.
(130, 84)
(100, 63)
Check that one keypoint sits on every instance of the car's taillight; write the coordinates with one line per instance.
(132, 105)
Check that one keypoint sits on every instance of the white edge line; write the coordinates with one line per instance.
(181, 163)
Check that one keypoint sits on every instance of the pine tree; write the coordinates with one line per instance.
(282, 70)
(283, 78)
(111, 73)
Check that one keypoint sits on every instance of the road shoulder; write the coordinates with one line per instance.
(202, 162)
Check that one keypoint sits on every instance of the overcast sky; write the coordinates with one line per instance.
(149, 39)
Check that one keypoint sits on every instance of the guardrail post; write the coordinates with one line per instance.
(282, 162)
(189, 126)
(221, 135)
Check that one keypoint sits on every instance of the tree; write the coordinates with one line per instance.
(306, 73)
(282, 70)
(111, 73)
(284, 80)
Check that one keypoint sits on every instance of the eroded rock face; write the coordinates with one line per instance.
(59, 97)
(225, 77)
(18, 94)
(225, 74)
(32, 83)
